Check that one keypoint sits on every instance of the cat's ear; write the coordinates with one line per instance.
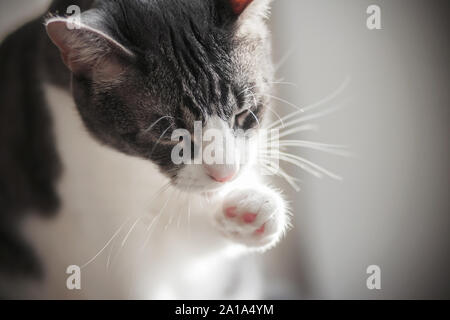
(86, 50)
(250, 8)
(239, 6)
(251, 14)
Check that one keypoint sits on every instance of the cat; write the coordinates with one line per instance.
(89, 104)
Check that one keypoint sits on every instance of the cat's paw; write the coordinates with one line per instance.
(256, 218)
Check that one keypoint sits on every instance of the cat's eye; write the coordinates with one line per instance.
(246, 118)
(239, 118)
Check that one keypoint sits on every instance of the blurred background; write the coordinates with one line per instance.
(392, 208)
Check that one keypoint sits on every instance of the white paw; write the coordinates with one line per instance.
(256, 218)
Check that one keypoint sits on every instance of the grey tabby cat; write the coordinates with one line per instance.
(88, 110)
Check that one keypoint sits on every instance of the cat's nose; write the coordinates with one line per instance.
(221, 173)
(222, 179)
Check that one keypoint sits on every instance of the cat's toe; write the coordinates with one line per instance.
(255, 218)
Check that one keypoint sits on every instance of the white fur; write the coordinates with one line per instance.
(251, 21)
(271, 214)
(196, 177)
(109, 201)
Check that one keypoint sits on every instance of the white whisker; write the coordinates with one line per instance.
(285, 83)
(159, 139)
(317, 104)
(277, 115)
(130, 231)
(316, 115)
(157, 121)
(302, 166)
(108, 262)
(179, 219)
(189, 218)
(301, 161)
(304, 128)
(106, 245)
(328, 148)
(284, 59)
(154, 221)
(132, 228)
(172, 215)
(160, 192)
(285, 101)
(280, 172)
(256, 118)
(255, 102)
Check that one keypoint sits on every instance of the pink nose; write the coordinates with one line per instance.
(221, 175)
(222, 179)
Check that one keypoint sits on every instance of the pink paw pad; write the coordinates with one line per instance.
(231, 212)
(249, 217)
(261, 230)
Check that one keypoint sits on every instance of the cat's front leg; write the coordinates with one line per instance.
(255, 217)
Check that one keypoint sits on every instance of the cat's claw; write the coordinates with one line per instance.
(253, 217)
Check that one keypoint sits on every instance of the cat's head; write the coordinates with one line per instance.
(144, 69)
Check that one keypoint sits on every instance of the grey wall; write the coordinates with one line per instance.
(13, 13)
(392, 209)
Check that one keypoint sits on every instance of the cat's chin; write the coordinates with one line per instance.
(204, 189)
